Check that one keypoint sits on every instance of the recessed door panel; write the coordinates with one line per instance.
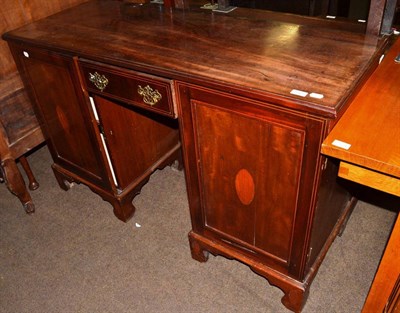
(72, 139)
(242, 159)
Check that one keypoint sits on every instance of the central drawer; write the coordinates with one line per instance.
(146, 91)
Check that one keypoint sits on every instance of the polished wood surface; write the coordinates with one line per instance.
(139, 129)
(72, 140)
(252, 170)
(245, 174)
(384, 295)
(88, 141)
(123, 86)
(370, 178)
(371, 126)
(259, 190)
(265, 56)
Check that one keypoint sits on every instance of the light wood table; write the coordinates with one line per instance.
(366, 140)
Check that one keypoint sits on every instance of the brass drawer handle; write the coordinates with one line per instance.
(149, 95)
(100, 81)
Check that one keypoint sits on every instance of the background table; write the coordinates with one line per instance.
(367, 141)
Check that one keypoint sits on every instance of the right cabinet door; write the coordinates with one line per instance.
(252, 170)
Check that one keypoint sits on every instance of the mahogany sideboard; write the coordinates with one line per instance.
(249, 96)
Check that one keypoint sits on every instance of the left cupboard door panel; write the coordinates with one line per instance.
(63, 112)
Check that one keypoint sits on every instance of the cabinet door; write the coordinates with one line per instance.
(251, 170)
(137, 140)
(62, 112)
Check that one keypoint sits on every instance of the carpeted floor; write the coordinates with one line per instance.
(73, 255)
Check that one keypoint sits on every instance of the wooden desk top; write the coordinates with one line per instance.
(254, 53)
(371, 125)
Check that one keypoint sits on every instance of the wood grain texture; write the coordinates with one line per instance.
(123, 86)
(386, 276)
(375, 16)
(223, 134)
(370, 178)
(372, 123)
(371, 126)
(262, 53)
(61, 113)
(137, 141)
(16, 113)
(19, 133)
(16, 13)
(232, 77)
(260, 148)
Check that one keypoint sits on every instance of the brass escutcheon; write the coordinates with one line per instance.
(149, 95)
(100, 81)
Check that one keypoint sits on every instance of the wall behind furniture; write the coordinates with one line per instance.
(15, 13)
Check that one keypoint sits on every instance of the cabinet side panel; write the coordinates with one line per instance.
(332, 201)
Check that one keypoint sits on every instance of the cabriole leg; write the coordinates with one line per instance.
(16, 184)
(33, 184)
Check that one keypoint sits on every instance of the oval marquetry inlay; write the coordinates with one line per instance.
(244, 184)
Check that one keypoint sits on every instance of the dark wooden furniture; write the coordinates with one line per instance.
(19, 128)
(366, 141)
(101, 131)
(108, 80)
(19, 133)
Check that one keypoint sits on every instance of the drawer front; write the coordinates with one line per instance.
(146, 91)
